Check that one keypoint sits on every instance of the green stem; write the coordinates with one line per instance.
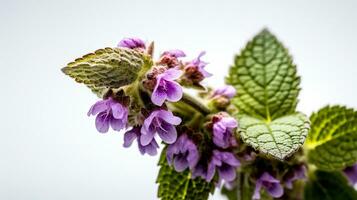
(195, 103)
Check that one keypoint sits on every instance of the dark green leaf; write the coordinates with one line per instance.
(329, 186)
(332, 141)
(265, 78)
(179, 186)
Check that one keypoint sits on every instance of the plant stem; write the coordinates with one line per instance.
(195, 103)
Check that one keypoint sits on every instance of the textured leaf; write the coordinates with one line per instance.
(108, 68)
(329, 186)
(279, 138)
(179, 186)
(265, 78)
(332, 141)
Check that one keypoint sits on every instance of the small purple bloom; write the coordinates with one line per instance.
(270, 184)
(296, 174)
(351, 174)
(111, 112)
(166, 87)
(200, 170)
(200, 65)
(182, 154)
(133, 134)
(223, 132)
(174, 53)
(226, 164)
(161, 122)
(227, 91)
(132, 43)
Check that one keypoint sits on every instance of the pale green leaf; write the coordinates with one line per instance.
(279, 138)
(332, 141)
(179, 186)
(108, 68)
(265, 78)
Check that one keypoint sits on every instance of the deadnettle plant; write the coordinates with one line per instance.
(247, 134)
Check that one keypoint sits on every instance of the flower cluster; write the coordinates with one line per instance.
(163, 84)
(273, 186)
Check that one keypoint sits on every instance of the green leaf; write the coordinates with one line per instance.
(179, 186)
(108, 68)
(332, 141)
(265, 78)
(279, 138)
(329, 186)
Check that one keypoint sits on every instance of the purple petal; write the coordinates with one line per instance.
(117, 124)
(227, 91)
(171, 74)
(118, 110)
(129, 137)
(99, 106)
(229, 122)
(167, 133)
(275, 190)
(351, 173)
(148, 121)
(174, 53)
(102, 122)
(146, 137)
(227, 173)
(258, 186)
(132, 43)
(169, 117)
(158, 96)
(150, 149)
(210, 171)
(268, 178)
(174, 91)
(180, 164)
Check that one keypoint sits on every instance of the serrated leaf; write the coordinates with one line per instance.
(179, 186)
(329, 186)
(265, 78)
(108, 68)
(279, 138)
(332, 141)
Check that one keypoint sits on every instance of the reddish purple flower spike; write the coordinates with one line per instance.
(174, 53)
(108, 112)
(299, 173)
(132, 43)
(166, 88)
(162, 122)
(223, 132)
(227, 91)
(182, 154)
(351, 174)
(226, 164)
(270, 184)
(133, 134)
(200, 65)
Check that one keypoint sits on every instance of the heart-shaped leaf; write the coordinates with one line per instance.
(279, 138)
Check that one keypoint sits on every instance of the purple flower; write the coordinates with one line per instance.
(270, 184)
(200, 170)
(174, 53)
(133, 134)
(199, 65)
(132, 43)
(227, 91)
(223, 132)
(296, 174)
(351, 174)
(182, 154)
(226, 164)
(161, 122)
(108, 112)
(166, 87)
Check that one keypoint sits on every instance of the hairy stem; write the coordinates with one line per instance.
(196, 104)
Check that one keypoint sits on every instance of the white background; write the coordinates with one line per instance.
(50, 149)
